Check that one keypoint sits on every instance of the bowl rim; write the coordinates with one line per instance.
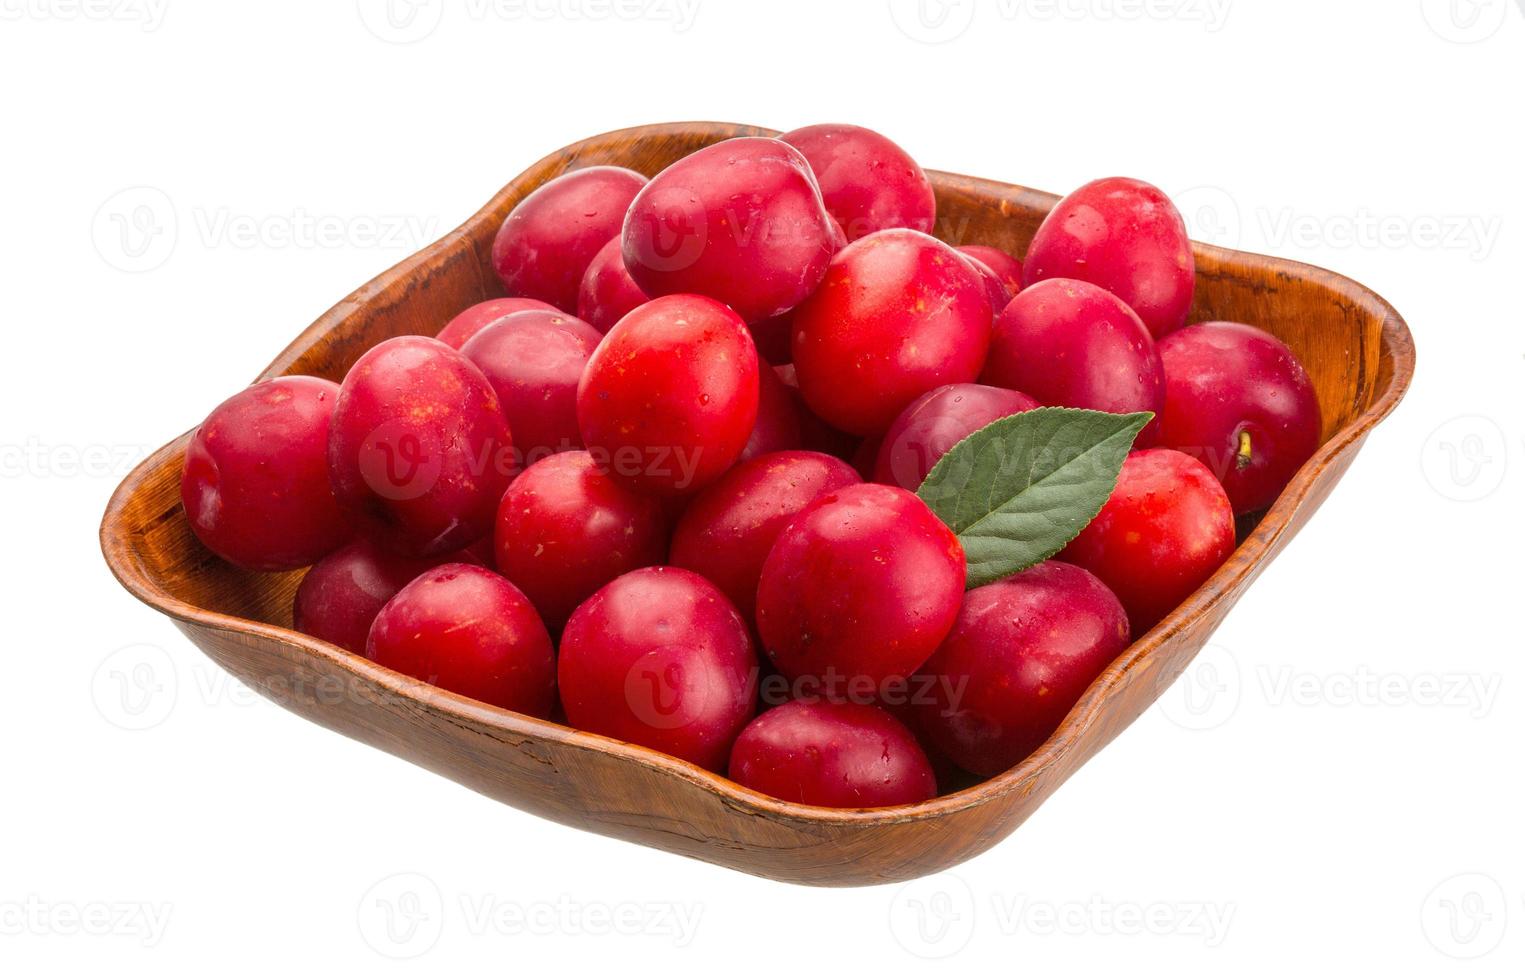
(1248, 558)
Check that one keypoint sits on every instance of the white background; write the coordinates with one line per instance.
(1303, 801)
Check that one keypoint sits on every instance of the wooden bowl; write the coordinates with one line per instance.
(1354, 345)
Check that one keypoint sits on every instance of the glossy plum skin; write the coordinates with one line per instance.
(726, 533)
(340, 595)
(995, 289)
(607, 291)
(1022, 652)
(546, 242)
(661, 658)
(469, 630)
(565, 528)
(1005, 266)
(419, 450)
(859, 588)
(868, 182)
(832, 753)
(778, 417)
(740, 221)
(1069, 343)
(255, 483)
(669, 398)
(1237, 399)
(534, 360)
(465, 324)
(1166, 528)
(1125, 236)
(898, 314)
(935, 423)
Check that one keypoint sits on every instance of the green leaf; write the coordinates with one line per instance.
(1021, 488)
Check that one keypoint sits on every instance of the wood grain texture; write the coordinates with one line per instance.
(1355, 346)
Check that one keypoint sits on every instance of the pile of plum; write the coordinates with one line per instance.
(665, 489)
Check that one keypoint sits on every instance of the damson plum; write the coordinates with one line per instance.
(340, 596)
(898, 314)
(1006, 268)
(1237, 399)
(1166, 528)
(661, 658)
(669, 398)
(826, 753)
(565, 528)
(935, 423)
(867, 182)
(607, 292)
(255, 483)
(548, 239)
(465, 324)
(1022, 652)
(859, 588)
(728, 530)
(740, 221)
(468, 630)
(534, 360)
(1125, 236)
(995, 289)
(1070, 343)
(778, 417)
(419, 450)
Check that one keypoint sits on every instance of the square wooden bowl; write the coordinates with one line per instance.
(1354, 345)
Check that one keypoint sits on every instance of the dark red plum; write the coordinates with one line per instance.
(255, 483)
(859, 588)
(1022, 652)
(740, 221)
(566, 528)
(465, 324)
(534, 360)
(838, 754)
(661, 658)
(726, 533)
(550, 237)
(1237, 399)
(1125, 236)
(1069, 343)
(898, 314)
(1166, 528)
(607, 292)
(935, 423)
(669, 398)
(468, 630)
(419, 450)
(868, 182)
